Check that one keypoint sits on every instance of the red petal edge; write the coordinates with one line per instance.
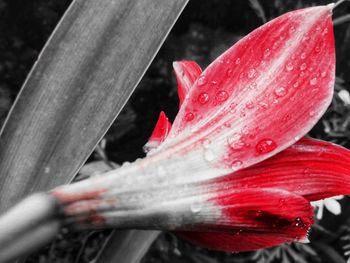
(254, 219)
(187, 72)
(311, 168)
(159, 133)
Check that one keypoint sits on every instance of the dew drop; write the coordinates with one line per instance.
(291, 29)
(249, 105)
(303, 66)
(265, 146)
(253, 85)
(202, 81)
(251, 73)
(267, 53)
(238, 60)
(229, 72)
(311, 113)
(323, 74)
(263, 105)
(209, 155)
(196, 207)
(203, 98)
(221, 96)
(313, 81)
(233, 108)
(189, 116)
(289, 66)
(303, 55)
(236, 163)
(206, 143)
(317, 49)
(280, 91)
(227, 124)
(299, 223)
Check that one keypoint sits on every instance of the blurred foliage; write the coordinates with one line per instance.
(204, 30)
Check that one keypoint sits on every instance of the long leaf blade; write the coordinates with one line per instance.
(82, 79)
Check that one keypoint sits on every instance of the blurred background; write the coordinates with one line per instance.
(205, 29)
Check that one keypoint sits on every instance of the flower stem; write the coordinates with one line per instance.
(338, 3)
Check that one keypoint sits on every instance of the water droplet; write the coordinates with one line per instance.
(189, 116)
(196, 207)
(299, 223)
(202, 81)
(317, 49)
(303, 66)
(311, 113)
(263, 105)
(289, 66)
(291, 29)
(229, 72)
(303, 55)
(251, 73)
(249, 105)
(233, 108)
(221, 96)
(265, 146)
(306, 171)
(209, 155)
(213, 82)
(253, 85)
(203, 98)
(258, 213)
(280, 91)
(206, 143)
(227, 124)
(313, 81)
(236, 163)
(267, 53)
(238, 60)
(323, 74)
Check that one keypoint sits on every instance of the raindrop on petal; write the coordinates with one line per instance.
(203, 98)
(280, 91)
(265, 146)
(221, 96)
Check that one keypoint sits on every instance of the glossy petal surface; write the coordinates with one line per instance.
(282, 72)
(310, 168)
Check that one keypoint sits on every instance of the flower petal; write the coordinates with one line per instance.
(187, 72)
(282, 72)
(254, 210)
(271, 222)
(159, 133)
(311, 168)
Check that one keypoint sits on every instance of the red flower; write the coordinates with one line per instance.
(232, 173)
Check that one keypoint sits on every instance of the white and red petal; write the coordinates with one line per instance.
(187, 72)
(311, 168)
(260, 96)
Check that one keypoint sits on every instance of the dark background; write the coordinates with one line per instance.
(204, 30)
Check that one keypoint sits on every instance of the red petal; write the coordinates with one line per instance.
(187, 72)
(255, 87)
(257, 219)
(311, 168)
(159, 133)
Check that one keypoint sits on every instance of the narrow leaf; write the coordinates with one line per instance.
(82, 79)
